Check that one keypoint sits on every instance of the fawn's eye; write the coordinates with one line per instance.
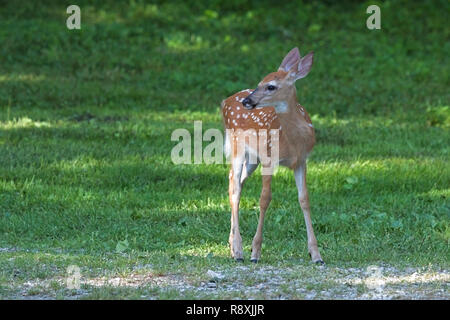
(271, 88)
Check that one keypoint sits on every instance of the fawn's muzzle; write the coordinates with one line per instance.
(248, 103)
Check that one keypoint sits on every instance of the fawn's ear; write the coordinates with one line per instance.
(291, 59)
(303, 68)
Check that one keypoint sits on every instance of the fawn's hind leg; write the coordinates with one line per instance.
(300, 180)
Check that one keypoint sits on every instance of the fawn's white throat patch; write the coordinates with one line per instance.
(281, 107)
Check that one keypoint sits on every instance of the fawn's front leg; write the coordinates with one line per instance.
(300, 180)
(234, 192)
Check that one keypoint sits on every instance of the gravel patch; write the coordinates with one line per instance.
(303, 281)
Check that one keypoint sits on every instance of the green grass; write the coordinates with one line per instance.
(86, 117)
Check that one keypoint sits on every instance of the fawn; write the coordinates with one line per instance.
(271, 106)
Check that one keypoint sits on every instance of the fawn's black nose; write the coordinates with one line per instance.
(248, 103)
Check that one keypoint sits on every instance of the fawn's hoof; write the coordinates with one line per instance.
(254, 260)
(317, 259)
(239, 259)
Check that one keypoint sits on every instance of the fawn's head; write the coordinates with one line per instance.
(277, 86)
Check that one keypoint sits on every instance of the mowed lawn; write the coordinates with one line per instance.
(87, 180)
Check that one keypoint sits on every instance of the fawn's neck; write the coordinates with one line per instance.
(287, 109)
(292, 123)
(298, 134)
